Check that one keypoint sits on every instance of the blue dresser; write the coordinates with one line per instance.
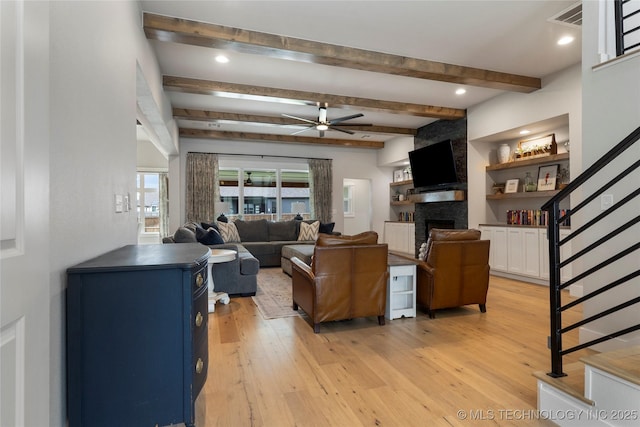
(137, 348)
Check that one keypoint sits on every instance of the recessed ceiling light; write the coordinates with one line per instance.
(565, 40)
(222, 59)
(524, 132)
(461, 91)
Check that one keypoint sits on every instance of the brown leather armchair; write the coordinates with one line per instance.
(455, 271)
(347, 279)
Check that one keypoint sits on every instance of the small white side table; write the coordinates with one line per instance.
(217, 256)
(401, 290)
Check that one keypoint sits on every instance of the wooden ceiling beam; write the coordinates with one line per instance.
(215, 116)
(290, 139)
(185, 31)
(208, 87)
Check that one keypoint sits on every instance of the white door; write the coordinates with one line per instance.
(24, 212)
(357, 210)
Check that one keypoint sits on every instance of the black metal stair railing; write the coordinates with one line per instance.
(626, 13)
(556, 264)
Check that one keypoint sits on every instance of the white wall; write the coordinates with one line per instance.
(356, 163)
(93, 149)
(360, 220)
(560, 94)
(149, 158)
(611, 110)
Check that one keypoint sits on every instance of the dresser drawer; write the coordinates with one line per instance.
(200, 363)
(200, 318)
(200, 278)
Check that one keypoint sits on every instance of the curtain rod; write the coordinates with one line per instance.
(260, 155)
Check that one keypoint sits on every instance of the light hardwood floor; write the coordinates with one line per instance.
(410, 372)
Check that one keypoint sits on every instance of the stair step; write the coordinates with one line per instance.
(571, 384)
(623, 363)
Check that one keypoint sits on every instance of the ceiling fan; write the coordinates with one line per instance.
(322, 124)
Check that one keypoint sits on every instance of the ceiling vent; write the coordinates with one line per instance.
(571, 16)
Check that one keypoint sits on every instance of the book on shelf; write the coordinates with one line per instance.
(534, 217)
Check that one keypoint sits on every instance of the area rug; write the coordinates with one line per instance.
(273, 296)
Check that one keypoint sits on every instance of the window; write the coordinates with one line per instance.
(347, 193)
(148, 201)
(268, 190)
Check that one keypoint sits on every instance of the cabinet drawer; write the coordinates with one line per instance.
(200, 363)
(200, 279)
(200, 318)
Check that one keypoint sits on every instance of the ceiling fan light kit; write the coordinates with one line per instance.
(322, 124)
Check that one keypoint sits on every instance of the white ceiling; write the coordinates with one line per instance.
(507, 36)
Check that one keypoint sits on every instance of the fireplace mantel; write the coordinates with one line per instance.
(438, 196)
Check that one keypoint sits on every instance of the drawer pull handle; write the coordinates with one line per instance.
(199, 280)
(199, 319)
(199, 366)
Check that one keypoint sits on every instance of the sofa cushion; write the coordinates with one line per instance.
(309, 231)
(229, 232)
(282, 230)
(184, 235)
(253, 231)
(209, 237)
(365, 238)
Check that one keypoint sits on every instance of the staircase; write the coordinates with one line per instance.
(601, 390)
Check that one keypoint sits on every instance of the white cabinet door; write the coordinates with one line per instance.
(499, 248)
(543, 244)
(515, 255)
(565, 252)
(531, 251)
(400, 236)
(486, 233)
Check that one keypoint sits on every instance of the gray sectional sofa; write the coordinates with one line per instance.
(261, 245)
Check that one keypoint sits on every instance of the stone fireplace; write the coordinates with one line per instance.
(446, 214)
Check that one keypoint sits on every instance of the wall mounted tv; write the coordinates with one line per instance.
(433, 166)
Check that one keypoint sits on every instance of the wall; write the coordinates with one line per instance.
(359, 222)
(560, 95)
(356, 163)
(93, 149)
(149, 158)
(611, 110)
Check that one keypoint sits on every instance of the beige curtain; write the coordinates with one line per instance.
(320, 177)
(203, 189)
(163, 208)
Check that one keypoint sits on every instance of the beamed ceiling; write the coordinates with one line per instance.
(397, 63)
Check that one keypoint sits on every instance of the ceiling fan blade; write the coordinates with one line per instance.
(342, 119)
(301, 119)
(303, 130)
(341, 130)
(355, 124)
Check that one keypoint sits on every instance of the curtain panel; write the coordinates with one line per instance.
(203, 188)
(163, 208)
(321, 179)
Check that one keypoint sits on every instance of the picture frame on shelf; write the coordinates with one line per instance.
(511, 186)
(539, 146)
(398, 175)
(547, 176)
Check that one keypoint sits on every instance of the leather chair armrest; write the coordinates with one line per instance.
(305, 269)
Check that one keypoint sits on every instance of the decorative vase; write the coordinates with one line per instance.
(503, 153)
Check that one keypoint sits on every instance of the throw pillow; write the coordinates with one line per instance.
(326, 228)
(229, 232)
(207, 226)
(184, 235)
(309, 231)
(209, 237)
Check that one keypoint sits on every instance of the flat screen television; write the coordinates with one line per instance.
(433, 165)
